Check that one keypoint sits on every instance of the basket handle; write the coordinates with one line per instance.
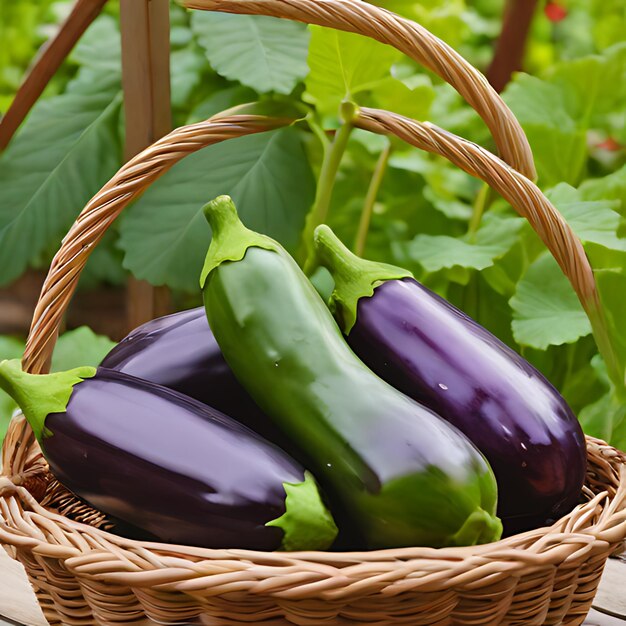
(127, 184)
(136, 175)
(521, 193)
(413, 40)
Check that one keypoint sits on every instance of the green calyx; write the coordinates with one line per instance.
(39, 395)
(230, 238)
(480, 527)
(307, 523)
(354, 277)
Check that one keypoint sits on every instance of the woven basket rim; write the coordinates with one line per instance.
(519, 544)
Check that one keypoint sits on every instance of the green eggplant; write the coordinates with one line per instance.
(396, 473)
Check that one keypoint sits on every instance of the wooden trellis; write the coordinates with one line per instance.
(145, 30)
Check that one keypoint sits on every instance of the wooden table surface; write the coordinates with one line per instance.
(18, 604)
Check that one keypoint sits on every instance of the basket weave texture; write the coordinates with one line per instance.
(84, 575)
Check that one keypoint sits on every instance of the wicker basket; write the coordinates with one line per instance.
(84, 575)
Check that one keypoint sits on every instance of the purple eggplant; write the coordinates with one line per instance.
(179, 351)
(434, 353)
(167, 464)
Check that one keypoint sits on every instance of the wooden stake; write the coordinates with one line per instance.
(509, 52)
(146, 80)
(51, 56)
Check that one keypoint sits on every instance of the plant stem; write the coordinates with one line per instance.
(370, 200)
(318, 131)
(480, 205)
(325, 185)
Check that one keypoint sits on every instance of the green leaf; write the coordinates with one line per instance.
(444, 18)
(537, 102)
(165, 236)
(605, 419)
(597, 418)
(610, 187)
(220, 101)
(343, 66)
(494, 238)
(546, 310)
(557, 112)
(559, 146)
(559, 156)
(265, 53)
(67, 149)
(394, 95)
(101, 46)
(612, 287)
(187, 65)
(593, 221)
(589, 84)
(583, 385)
(451, 190)
(79, 347)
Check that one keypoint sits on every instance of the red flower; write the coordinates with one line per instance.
(555, 12)
(610, 144)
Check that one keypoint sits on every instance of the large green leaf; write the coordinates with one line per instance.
(80, 347)
(68, 148)
(265, 53)
(493, 239)
(593, 221)
(559, 145)
(611, 187)
(100, 46)
(187, 65)
(558, 111)
(220, 101)
(537, 102)
(165, 236)
(546, 310)
(591, 84)
(604, 417)
(394, 95)
(343, 66)
(612, 287)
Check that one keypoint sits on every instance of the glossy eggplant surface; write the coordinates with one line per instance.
(434, 353)
(395, 472)
(168, 464)
(180, 352)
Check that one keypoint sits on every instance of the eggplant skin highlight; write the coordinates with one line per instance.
(179, 351)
